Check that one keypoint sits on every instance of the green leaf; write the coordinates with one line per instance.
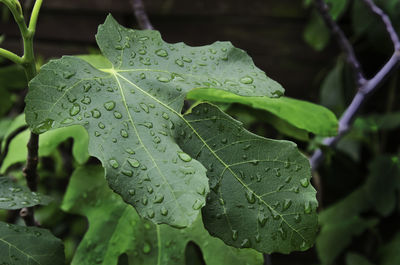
(301, 114)
(132, 111)
(29, 245)
(356, 259)
(48, 143)
(115, 228)
(389, 253)
(316, 34)
(260, 192)
(337, 8)
(14, 196)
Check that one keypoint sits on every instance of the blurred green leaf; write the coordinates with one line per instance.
(389, 253)
(316, 34)
(331, 95)
(29, 245)
(356, 259)
(298, 113)
(49, 141)
(115, 228)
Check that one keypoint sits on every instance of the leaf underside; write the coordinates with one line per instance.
(132, 111)
(124, 232)
(29, 245)
(14, 196)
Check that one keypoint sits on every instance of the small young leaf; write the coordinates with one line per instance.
(132, 111)
(14, 196)
(115, 228)
(29, 245)
(301, 114)
(260, 195)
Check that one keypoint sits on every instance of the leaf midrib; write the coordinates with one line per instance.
(212, 152)
(14, 246)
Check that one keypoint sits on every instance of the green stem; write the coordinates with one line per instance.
(10, 56)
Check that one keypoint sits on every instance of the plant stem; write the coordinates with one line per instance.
(141, 15)
(29, 64)
(365, 88)
(10, 56)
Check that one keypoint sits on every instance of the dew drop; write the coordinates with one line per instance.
(184, 157)
(159, 198)
(87, 87)
(179, 62)
(144, 107)
(144, 200)
(297, 218)
(197, 204)
(75, 109)
(246, 80)
(86, 100)
(96, 113)
(67, 121)
(224, 141)
(150, 213)
(251, 198)
(132, 192)
(164, 211)
(163, 79)
(165, 116)
(113, 163)
(146, 248)
(245, 243)
(110, 105)
(262, 219)
(101, 125)
(127, 173)
(162, 53)
(68, 74)
(44, 126)
(307, 208)
(258, 238)
(304, 182)
(133, 162)
(234, 234)
(186, 59)
(124, 133)
(287, 204)
(117, 115)
(130, 151)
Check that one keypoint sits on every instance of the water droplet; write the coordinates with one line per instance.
(133, 162)
(163, 79)
(234, 234)
(179, 62)
(75, 109)
(184, 157)
(131, 192)
(150, 189)
(287, 204)
(67, 121)
(245, 243)
(162, 53)
(87, 87)
(164, 211)
(262, 219)
(96, 113)
(165, 116)
(159, 198)
(130, 151)
(117, 115)
(275, 214)
(124, 133)
(101, 125)
(97, 134)
(246, 80)
(144, 200)
(251, 198)
(148, 125)
(258, 238)
(110, 105)
(127, 173)
(201, 190)
(297, 218)
(197, 204)
(224, 141)
(282, 233)
(144, 107)
(44, 126)
(86, 100)
(186, 59)
(156, 139)
(68, 74)
(304, 182)
(277, 172)
(5, 199)
(150, 213)
(288, 179)
(113, 163)
(307, 208)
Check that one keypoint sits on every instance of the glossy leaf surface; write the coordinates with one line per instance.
(260, 194)
(132, 110)
(29, 245)
(123, 231)
(14, 196)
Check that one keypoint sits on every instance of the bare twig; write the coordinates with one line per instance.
(31, 162)
(8, 141)
(141, 15)
(364, 89)
(342, 40)
(27, 215)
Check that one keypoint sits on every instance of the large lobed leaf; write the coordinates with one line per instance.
(132, 110)
(115, 229)
(29, 245)
(260, 195)
(14, 196)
